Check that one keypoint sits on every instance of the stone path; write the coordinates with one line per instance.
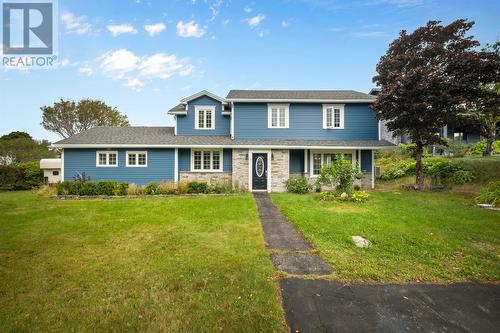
(293, 254)
(315, 305)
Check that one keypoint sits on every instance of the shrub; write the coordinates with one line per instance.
(88, 188)
(182, 187)
(490, 194)
(75, 187)
(167, 188)
(298, 185)
(121, 189)
(462, 177)
(106, 187)
(479, 148)
(360, 196)
(339, 175)
(63, 187)
(327, 196)
(20, 176)
(46, 191)
(151, 189)
(134, 189)
(220, 189)
(197, 187)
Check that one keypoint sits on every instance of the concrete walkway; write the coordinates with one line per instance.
(290, 252)
(313, 305)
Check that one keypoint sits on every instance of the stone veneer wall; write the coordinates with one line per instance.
(365, 182)
(213, 178)
(240, 168)
(280, 169)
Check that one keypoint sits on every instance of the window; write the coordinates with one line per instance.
(206, 160)
(321, 159)
(204, 117)
(333, 116)
(55, 173)
(137, 159)
(277, 115)
(106, 158)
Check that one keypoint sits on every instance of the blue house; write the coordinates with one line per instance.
(253, 139)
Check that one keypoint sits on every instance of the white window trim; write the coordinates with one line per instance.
(250, 171)
(221, 163)
(197, 108)
(333, 106)
(322, 152)
(107, 152)
(269, 115)
(136, 153)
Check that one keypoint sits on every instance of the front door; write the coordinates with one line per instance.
(259, 171)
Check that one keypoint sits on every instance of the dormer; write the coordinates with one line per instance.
(203, 113)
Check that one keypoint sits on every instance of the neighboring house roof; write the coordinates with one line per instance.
(50, 163)
(299, 95)
(110, 137)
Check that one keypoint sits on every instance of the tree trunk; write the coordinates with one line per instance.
(419, 168)
(489, 145)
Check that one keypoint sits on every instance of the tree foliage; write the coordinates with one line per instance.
(67, 118)
(16, 147)
(426, 78)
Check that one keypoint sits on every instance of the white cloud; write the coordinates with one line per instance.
(118, 29)
(255, 21)
(134, 84)
(285, 24)
(154, 29)
(261, 34)
(75, 24)
(226, 22)
(86, 70)
(119, 62)
(134, 70)
(190, 29)
(215, 9)
(247, 9)
(64, 62)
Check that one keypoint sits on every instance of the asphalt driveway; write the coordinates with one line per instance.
(327, 306)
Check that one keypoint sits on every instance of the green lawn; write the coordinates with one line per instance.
(189, 264)
(437, 237)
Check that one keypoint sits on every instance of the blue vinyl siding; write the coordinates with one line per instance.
(186, 125)
(185, 159)
(366, 160)
(296, 160)
(306, 122)
(160, 166)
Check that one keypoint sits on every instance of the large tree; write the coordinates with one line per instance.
(68, 118)
(484, 111)
(20, 147)
(426, 77)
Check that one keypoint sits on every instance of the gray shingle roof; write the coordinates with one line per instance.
(178, 108)
(165, 136)
(299, 95)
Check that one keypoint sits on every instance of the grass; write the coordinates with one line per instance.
(432, 237)
(165, 264)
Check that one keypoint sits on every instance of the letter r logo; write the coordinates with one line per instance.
(28, 27)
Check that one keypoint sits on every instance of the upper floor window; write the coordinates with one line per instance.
(277, 115)
(333, 116)
(137, 159)
(106, 158)
(204, 117)
(206, 160)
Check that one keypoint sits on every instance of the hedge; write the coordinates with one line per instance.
(20, 176)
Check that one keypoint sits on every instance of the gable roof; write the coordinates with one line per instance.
(163, 137)
(203, 93)
(299, 96)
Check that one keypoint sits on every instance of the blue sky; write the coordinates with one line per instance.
(144, 56)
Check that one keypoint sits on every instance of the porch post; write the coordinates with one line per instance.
(305, 160)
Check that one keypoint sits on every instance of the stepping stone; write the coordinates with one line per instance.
(300, 263)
